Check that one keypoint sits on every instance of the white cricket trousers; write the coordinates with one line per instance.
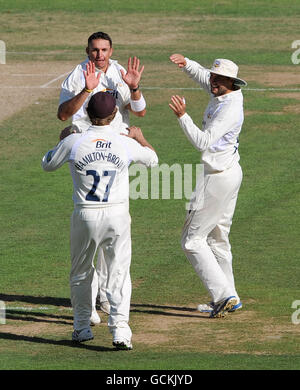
(109, 229)
(100, 279)
(205, 235)
(99, 283)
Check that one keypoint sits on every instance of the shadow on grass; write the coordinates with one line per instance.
(33, 316)
(65, 302)
(66, 343)
(152, 309)
(36, 300)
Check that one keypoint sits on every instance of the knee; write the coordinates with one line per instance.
(77, 278)
(184, 241)
(221, 248)
(191, 245)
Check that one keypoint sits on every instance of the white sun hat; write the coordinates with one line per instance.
(227, 68)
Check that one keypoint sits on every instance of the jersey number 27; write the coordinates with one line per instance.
(91, 195)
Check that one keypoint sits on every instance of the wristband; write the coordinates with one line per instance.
(138, 105)
(135, 89)
(88, 90)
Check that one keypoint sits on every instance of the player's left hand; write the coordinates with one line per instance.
(133, 76)
(178, 105)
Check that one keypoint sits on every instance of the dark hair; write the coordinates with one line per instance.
(100, 35)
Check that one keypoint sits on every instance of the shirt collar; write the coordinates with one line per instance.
(100, 128)
(228, 96)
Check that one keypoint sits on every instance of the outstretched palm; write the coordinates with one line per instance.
(91, 80)
(134, 74)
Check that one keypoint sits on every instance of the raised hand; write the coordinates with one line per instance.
(178, 59)
(133, 76)
(178, 105)
(91, 80)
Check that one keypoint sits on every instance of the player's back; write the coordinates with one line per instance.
(99, 162)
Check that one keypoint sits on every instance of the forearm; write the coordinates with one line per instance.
(203, 139)
(70, 107)
(54, 158)
(137, 134)
(198, 138)
(198, 73)
(137, 102)
(143, 142)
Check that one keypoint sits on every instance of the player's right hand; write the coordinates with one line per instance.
(66, 131)
(91, 80)
(178, 59)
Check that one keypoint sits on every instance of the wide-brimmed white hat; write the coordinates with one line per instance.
(227, 68)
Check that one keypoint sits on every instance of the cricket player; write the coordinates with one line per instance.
(100, 73)
(205, 236)
(99, 161)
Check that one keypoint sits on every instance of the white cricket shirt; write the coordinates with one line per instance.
(110, 81)
(222, 123)
(99, 161)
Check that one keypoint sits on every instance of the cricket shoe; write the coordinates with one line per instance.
(208, 307)
(95, 319)
(84, 334)
(205, 307)
(105, 307)
(122, 344)
(236, 307)
(221, 309)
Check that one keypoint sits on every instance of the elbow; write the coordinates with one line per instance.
(140, 114)
(155, 162)
(201, 148)
(61, 116)
(44, 166)
(48, 167)
(143, 113)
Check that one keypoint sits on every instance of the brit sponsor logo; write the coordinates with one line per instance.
(102, 143)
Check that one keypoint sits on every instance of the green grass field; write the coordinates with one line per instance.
(47, 38)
